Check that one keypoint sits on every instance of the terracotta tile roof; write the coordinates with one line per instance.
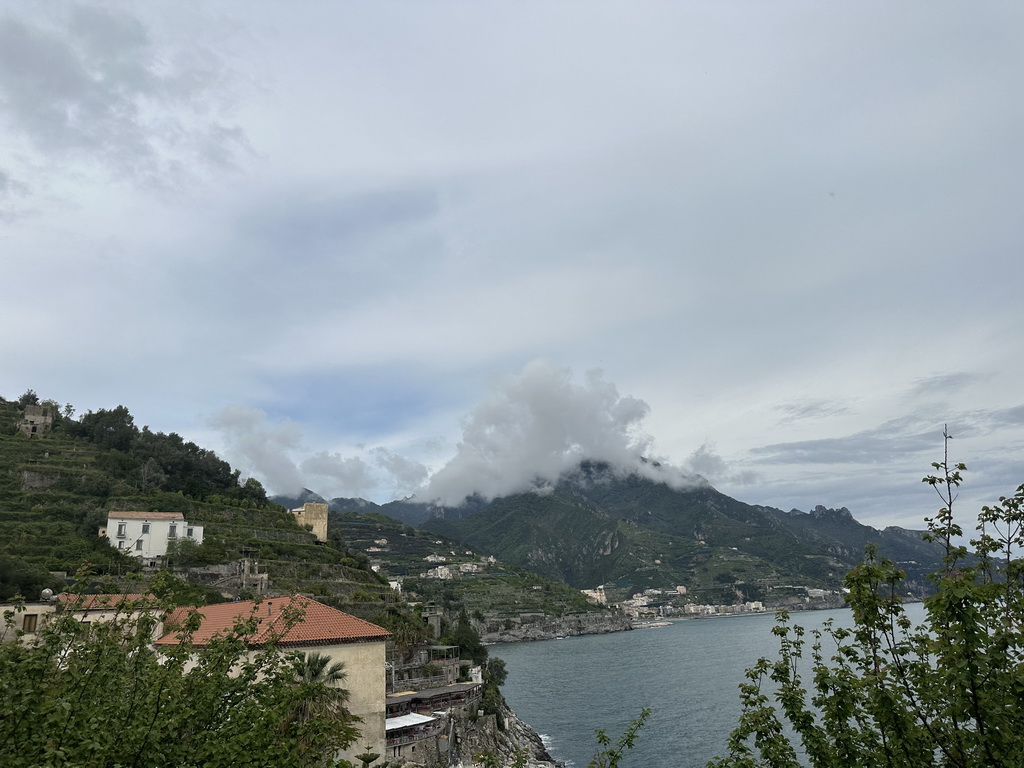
(320, 624)
(114, 515)
(69, 601)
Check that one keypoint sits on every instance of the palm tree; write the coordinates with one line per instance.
(324, 725)
(322, 678)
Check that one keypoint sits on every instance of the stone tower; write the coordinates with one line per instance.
(314, 515)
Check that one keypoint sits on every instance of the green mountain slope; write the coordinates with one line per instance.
(597, 527)
(482, 586)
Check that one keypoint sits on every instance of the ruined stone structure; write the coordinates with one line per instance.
(37, 421)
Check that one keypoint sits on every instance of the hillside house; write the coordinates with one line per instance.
(441, 572)
(148, 534)
(27, 619)
(86, 609)
(358, 644)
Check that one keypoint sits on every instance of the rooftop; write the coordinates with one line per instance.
(115, 515)
(318, 624)
(404, 721)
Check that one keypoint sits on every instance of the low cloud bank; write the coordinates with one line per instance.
(538, 425)
(259, 448)
(533, 427)
(268, 450)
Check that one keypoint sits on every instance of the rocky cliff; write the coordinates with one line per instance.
(503, 736)
(550, 627)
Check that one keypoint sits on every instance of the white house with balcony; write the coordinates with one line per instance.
(148, 534)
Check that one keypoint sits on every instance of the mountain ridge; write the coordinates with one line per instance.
(600, 526)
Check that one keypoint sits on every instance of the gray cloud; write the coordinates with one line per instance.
(943, 384)
(12, 195)
(90, 83)
(811, 409)
(260, 448)
(407, 475)
(706, 462)
(353, 475)
(903, 436)
(272, 450)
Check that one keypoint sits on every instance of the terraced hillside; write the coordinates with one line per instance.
(57, 487)
(485, 587)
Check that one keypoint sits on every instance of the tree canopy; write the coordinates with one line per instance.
(887, 693)
(99, 695)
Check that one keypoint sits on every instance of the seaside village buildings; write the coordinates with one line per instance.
(407, 701)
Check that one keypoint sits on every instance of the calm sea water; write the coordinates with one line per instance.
(687, 673)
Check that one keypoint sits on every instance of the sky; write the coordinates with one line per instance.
(438, 248)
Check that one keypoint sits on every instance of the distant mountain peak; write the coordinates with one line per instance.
(303, 496)
(825, 513)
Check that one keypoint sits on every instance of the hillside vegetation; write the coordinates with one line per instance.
(482, 587)
(56, 489)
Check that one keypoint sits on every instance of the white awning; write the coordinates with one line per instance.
(404, 721)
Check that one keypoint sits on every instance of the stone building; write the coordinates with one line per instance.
(37, 420)
(314, 515)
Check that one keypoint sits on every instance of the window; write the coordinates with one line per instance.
(172, 532)
(120, 545)
(122, 529)
(188, 532)
(138, 544)
(145, 527)
(29, 621)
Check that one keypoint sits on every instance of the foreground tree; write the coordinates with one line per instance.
(887, 693)
(98, 695)
(324, 698)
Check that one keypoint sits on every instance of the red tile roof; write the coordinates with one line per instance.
(319, 624)
(115, 515)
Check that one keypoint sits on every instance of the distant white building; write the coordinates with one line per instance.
(147, 534)
(441, 572)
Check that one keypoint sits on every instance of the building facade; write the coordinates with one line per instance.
(314, 515)
(148, 534)
(358, 644)
(38, 420)
(24, 622)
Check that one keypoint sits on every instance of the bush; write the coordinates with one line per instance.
(887, 693)
(94, 695)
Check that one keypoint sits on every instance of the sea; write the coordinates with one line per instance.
(687, 673)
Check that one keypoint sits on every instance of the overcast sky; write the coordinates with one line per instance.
(394, 247)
